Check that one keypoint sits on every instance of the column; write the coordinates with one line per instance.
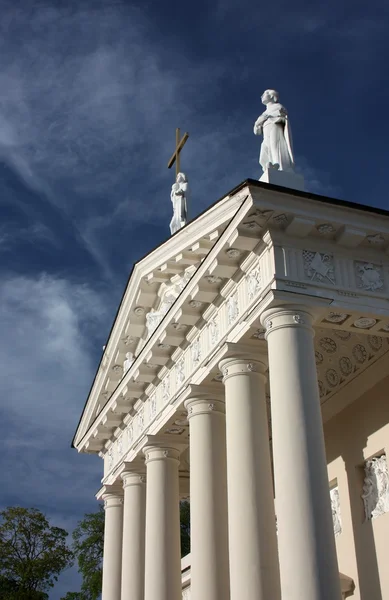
(254, 570)
(133, 559)
(112, 555)
(306, 543)
(208, 499)
(163, 556)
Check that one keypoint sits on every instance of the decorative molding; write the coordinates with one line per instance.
(365, 323)
(341, 355)
(336, 317)
(233, 253)
(376, 487)
(325, 228)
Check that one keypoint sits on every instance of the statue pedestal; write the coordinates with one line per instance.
(287, 179)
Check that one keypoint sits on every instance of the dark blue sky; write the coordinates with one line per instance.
(90, 95)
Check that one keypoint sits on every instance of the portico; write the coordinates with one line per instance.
(269, 306)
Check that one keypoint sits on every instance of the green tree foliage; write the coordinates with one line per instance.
(32, 554)
(88, 542)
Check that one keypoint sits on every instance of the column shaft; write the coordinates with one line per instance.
(112, 557)
(254, 571)
(208, 500)
(306, 542)
(133, 560)
(163, 556)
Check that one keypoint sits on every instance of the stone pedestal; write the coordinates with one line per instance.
(163, 556)
(306, 543)
(112, 556)
(254, 571)
(287, 179)
(133, 559)
(208, 499)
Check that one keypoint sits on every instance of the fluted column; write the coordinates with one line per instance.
(208, 499)
(133, 560)
(254, 571)
(163, 556)
(306, 542)
(112, 554)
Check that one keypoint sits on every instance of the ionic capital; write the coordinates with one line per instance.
(290, 316)
(132, 478)
(153, 453)
(237, 366)
(203, 405)
(162, 448)
(112, 500)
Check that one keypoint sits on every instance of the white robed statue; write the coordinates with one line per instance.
(273, 124)
(179, 197)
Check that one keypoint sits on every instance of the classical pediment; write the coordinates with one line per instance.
(207, 285)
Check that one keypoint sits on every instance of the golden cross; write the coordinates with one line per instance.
(176, 155)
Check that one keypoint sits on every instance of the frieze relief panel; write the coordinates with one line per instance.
(307, 266)
(246, 293)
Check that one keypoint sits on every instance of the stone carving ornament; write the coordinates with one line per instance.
(369, 276)
(128, 362)
(335, 507)
(376, 487)
(232, 309)
(214, 331)
(196, 351)
(168, 297)
(319, 266)
(254, 282)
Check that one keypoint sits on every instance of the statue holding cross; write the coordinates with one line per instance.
(180, 189)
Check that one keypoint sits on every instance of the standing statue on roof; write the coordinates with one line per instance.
(273, 124)
(179, 197)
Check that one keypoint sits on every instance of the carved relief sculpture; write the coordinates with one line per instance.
(376, 487)
(335, 507)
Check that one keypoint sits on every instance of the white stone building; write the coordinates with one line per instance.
(258, 388)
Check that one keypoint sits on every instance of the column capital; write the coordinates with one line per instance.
(161, 447)
(287, 316)
(132, 478)
(242, 365)
(202, 405)
(112, 500)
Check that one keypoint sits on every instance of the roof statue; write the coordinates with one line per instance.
(273, 124)
(179, 197)
(276, 155)
(180, 190)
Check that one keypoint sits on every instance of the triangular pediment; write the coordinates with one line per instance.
(154, 285)
(173, 291)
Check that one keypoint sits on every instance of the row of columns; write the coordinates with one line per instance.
(234, 549)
